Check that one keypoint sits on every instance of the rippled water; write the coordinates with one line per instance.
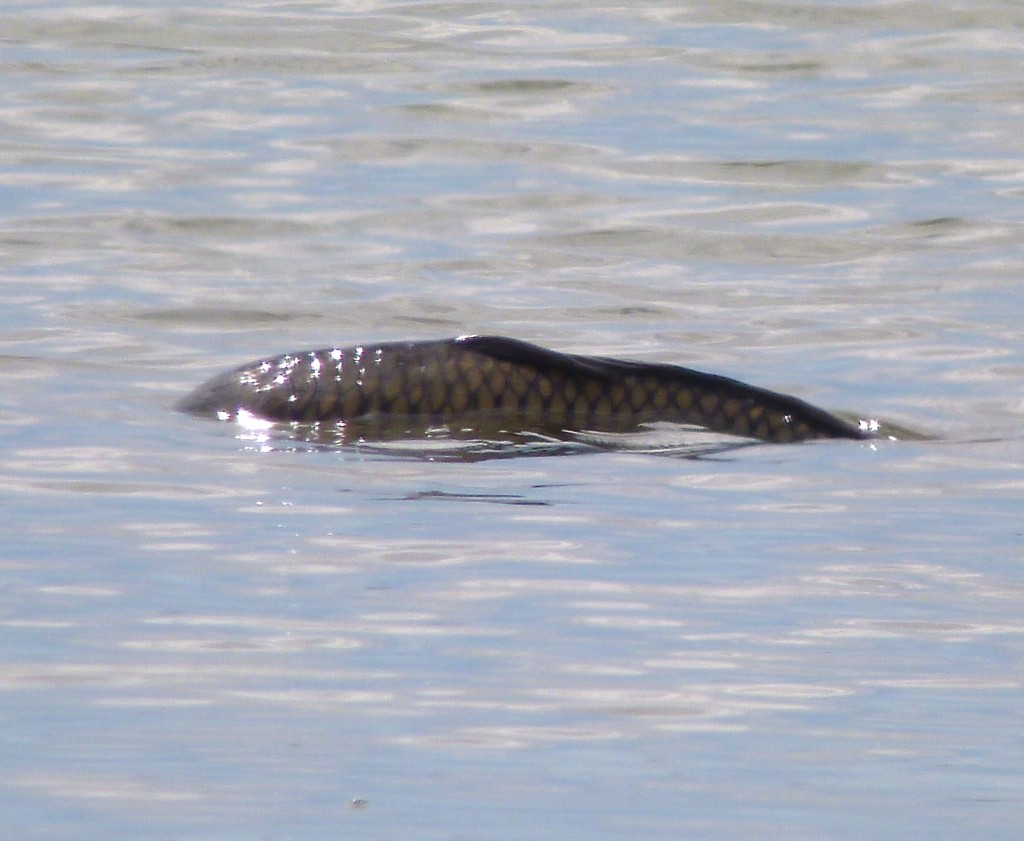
(210, 635)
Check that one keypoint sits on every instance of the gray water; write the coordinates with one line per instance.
(210, 634)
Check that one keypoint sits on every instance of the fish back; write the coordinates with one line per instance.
(514, 384)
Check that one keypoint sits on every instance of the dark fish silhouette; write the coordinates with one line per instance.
(494, 383)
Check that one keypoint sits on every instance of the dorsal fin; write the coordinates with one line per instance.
(600, 367)
(523, 353)
(611, 370)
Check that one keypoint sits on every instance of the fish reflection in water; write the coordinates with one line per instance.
(492, 387)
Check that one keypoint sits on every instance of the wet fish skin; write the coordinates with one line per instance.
(491, 381)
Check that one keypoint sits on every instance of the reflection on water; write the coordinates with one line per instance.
(297, 637)
(413, 439)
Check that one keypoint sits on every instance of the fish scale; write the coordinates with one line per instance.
(490, 382)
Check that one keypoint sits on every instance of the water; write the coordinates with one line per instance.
(209, 636)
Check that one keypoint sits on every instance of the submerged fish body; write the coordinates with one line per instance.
(490, 382)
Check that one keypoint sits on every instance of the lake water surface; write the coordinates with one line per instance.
(210, 634)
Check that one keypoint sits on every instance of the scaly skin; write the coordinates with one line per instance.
(488, 382)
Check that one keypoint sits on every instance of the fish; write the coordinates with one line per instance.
(494, 382)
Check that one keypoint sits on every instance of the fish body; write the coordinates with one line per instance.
(491, 382)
